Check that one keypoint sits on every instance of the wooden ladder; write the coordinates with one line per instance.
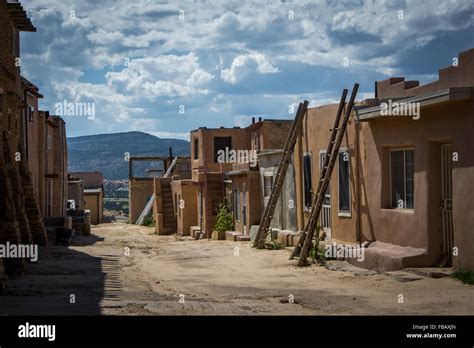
(264, 225)
(337, 134)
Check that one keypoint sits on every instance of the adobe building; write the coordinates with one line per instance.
(75, 189)
(20, 218)
(284, 217)
(142, 188)
(400, 181)
(94, 202)
(185, 195)
(208, 169)
(170, 213)
(247, 182)
(32, 128)
(55, 167)
(93, 194)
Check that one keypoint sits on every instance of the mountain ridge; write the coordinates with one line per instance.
(107, 152)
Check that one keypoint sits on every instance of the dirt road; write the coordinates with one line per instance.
(128, 270)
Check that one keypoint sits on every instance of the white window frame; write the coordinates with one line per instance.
(344, 213)
(404, 176)
(237, 207)
(265, 176)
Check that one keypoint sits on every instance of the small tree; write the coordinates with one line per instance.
(225, 220)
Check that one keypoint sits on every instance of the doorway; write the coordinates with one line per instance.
(326, 208)
(447, 204)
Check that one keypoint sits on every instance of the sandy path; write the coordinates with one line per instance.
(166, 275)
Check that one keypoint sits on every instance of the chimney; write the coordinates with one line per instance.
(259, 119)
(253, 120)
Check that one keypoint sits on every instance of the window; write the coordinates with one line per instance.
(184, 167)
(402, 178)
(237, 205)
(31, 112)
(344, 183)
(14, 46)
(307, 180)
(267, 183)
(221, 143)
(50, 142)
(256, 141)
(196, 149)
(176, 204)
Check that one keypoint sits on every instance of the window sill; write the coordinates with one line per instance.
(399, 210)
(344, 214)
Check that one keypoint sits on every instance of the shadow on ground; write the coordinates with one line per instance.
(64, 281)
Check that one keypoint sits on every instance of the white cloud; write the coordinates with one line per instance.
(247, 64)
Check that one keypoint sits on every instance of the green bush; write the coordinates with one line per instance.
(467, 277)
(274, 245)
(225, 220)
(148, 222)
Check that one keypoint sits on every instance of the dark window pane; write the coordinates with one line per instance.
(344, 195)
(221, 143)
(409, 177)
(237, 205)
(196, 149)
(268, 182)
(397, 176)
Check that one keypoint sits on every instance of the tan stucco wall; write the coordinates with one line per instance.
(252, 194)
(314, 138)
(188, 215)
(33, 138)
(421, 227)
(240, 141)
(139, 192)
(95, 203)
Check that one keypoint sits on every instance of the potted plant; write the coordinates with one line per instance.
(224, 222)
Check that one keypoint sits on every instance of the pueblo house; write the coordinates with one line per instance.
(20, 217)
(404, 175)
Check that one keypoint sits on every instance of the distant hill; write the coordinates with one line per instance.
(105, 152)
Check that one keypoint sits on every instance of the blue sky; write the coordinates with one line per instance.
(226, 61)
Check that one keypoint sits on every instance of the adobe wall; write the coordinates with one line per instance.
(452, 76)
(421, 227)
(33, 140)
(284, 217)
(315, 138)
(273, 135)
(251, 180)
(240, 141)
(187, 214)
(95, 203)
(140, 190)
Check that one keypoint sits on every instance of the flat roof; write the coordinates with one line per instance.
(441, 96)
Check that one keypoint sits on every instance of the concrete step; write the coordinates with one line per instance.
(242, 238)
(385, 257)
(232, 235)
